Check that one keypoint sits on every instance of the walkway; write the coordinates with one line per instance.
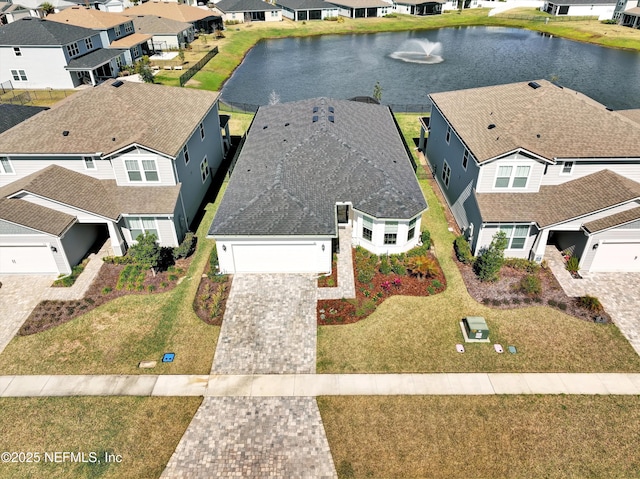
(346, 283)
(246, 387)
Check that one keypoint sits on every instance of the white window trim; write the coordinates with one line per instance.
(202, 135)
(128, 28)
(466, 155)
(204, 162)
(562, 172)
(447, 135)
(93, 162)
(17, 52)
(117, 31)
(21, 74)
(185, 154)
(143, 177)
(445, 167)
(3, 171)
(512, 177)
(144, 231)
(511, 236)
(367, 221)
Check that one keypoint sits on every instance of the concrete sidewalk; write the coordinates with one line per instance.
(310, 385)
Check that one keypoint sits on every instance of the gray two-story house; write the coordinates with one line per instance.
(544, 164)
(115, 161)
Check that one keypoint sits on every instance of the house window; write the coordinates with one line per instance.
(567, 167)
(73, 49)
(446, 173)
(117, 31)
(204, 169)
(504, 176)
(448, 137)
(412, 229)
(5, 166)
(367, 228)
(19, 75)
(516, 235)
(185, 152)
(390, 232)
(201, 131)
(128, 27)
(141, 225)
(88, 43)
(135, 51)
(520, 176)
(274, 13)
(119, 62)
(17, 52)
(135, 171)
(89, 164)
(465, 159)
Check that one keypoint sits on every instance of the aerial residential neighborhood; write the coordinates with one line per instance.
(319, 239)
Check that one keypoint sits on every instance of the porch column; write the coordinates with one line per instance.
(117, 242)
(539, 246)
(93, 78)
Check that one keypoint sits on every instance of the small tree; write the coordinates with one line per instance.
(491, 259)
(47, 8)
(377, 91)
(146, 251)
(143, 68)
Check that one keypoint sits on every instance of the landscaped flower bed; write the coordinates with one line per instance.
(213, 291)
(377, 279)
(331, 280)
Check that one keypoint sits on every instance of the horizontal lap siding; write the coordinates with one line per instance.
(25, 166)
(44, 67)
(487, 178)
(164, 166)
(628, 169)
(82, 216)
(39, 239)
(618, 234)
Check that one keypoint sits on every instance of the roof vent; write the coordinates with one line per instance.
(331, 110)
(315, 109)
(287, 124)
(265, 127)
(534, 85)
(331, 118)
(491, 126)
(538, 135)
(315, 118)
(113, 139)
(117, 83)
(65, 133)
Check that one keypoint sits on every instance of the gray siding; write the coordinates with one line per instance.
(77, 241)
(485, 237)
(573, 240)
(487, 177)
(627, 168)
(614, 234)
(7, 228)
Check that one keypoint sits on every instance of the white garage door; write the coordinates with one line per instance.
(612, 257)
(27, 259)
(289, 258)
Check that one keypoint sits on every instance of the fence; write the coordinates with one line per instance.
(238, 107)
(6, 86)
(186, 76)
(22, 97)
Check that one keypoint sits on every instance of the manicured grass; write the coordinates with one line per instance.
(239, 122)
(483, 436)
(411, 334)
(115, 337)
(143, 431)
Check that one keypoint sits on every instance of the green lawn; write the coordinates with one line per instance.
(115, 337)
(143, 431)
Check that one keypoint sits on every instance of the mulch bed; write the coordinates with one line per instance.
(369, 296)
(501, 295)
(51, 313)
(211, 299)
(330, 281)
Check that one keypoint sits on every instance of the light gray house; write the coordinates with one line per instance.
(418, 7)
(363, 8)
(603, 9)
(114, 161)
(546, 165)
(300, 10)
(305, 169)
(630, 18)
(166, 33)
(249, 11)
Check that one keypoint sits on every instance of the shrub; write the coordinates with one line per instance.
(530, 285)
(422, 266)
(515, 300)
(365, 308)
(496, 302)
(421, 250)
(330, 19)
(527, 300)
(609, 21)
(486, 301)
(232, 22)
(522, 264)
(591, 303)
(118, 259)
(151, 288)
(436, 284)
(487, 265)
(399, 269)
(366, 274)
(385, 267)
(106, 290)
(425, 238)
(463, 250)
(573, 264)
(431, 290)
(562, 306)
(146, 251)
(186, 248)
(213, 262)
(552, 302)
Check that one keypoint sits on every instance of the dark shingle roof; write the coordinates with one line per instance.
(614, 220)
(36, 32)
(292, 171)
(244, 6)
(94, 59)
(558, 203)
(305, 4)
(34, 216)
(11, 115)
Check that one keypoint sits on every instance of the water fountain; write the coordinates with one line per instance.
(419, 51)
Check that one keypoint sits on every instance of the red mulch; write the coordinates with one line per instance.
(346, 311)
(49, 314)
(207, 305)
(330, 281)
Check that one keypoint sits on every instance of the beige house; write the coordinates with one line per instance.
(200, 18)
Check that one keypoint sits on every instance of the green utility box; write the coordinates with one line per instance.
(476, 327)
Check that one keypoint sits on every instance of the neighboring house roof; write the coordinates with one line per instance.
(88, 18)
(582, 2)
(38, 32)
(244, 6)
(550, 121)
(292, 170)
(131, 40)
(632, 11)
(34, 216)
(555, 204)
(419, 2)
(106, 119)
(102, 197)
(634, 114)
(305, 4)
(361, 3)
(93, 59)
(612, 221)
(173, 10)
(156, 25)
(11, 115)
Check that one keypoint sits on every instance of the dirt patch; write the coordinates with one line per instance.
(51, 313)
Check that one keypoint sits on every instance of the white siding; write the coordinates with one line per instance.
(376, 245)
(83, 217)
(26, 166)
(576, 224)
(485, 236)
(629, 169)
(488, 172)
(77, 241)
(614, 235)
(39, 239)
(164, 167)
(166, 231)
(44, 67)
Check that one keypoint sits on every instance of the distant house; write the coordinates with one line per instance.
(12, 115)
(166, 33)
(307, 9)
(10, 12)
(113, 161)
(249, 11)
(631, 18)
(115, 30)
(603, 9)
(36, 53)
(418, 7)
(544, 164)
(363, 8)
(307, 170)
(623, 6)
(200, 18)
(111, 6)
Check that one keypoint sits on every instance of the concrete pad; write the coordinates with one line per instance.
(634, 378)
(273, 385)
(4, 382)
(236, 385)
(134, 385)
(545, 383)
(26, 386)
(583, 384)
(356, 385)
(509, 383)
(316, 385)
(618, 383)
(470, 384)
(431, 384)
(180, 385)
